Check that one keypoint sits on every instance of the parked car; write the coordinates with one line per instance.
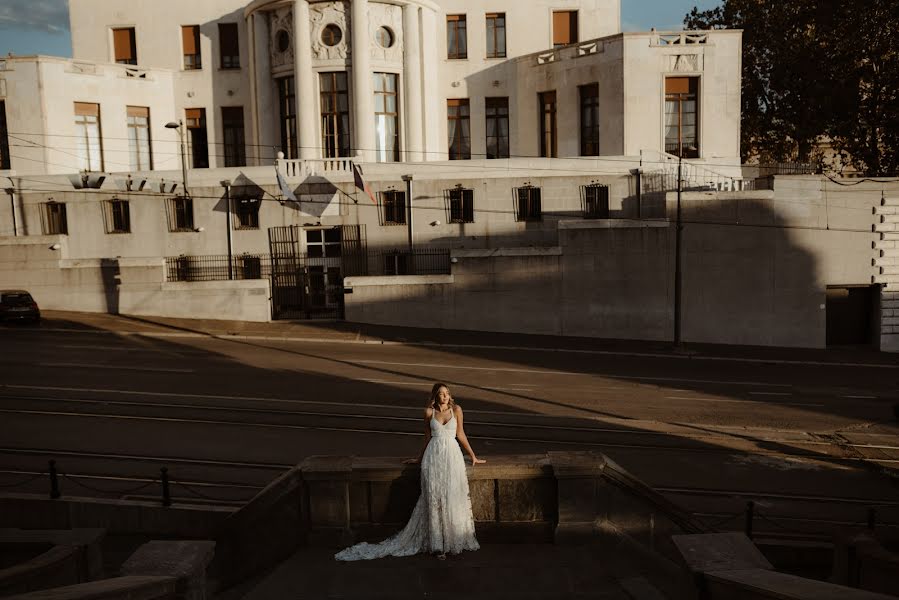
(18, 305)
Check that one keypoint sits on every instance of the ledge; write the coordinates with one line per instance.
(372, 281)
(132, 588)
(495, 252)
(614, 224)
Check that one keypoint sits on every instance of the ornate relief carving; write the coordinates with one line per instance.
(390, 16)
(685, 62)
(323, 14)
(281, 24)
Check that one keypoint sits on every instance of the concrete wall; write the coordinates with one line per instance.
(122, 285)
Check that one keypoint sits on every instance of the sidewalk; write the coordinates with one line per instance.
(345, 332)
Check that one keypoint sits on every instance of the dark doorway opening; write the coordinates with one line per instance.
(851, 315)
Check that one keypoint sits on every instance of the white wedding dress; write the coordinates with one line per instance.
(441, 521)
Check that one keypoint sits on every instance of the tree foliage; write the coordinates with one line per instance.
(816, 70)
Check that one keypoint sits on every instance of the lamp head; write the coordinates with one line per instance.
(172, 125)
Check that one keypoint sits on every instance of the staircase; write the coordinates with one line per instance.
(887, 261)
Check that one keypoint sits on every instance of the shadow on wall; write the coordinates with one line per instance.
(746, 279)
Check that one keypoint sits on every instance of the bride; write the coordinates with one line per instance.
(441, 522)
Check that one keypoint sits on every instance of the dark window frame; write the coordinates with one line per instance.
(383, 92)
(393, 207)
(191, 61)
(197, 137)
(234, 142)
(458, 109)
(595, 201)
(528, 203)
(246, 212)
(180, 214)
(459, 205)
(118, 53)
(229, 46)
(588, 96)
(335, 127)
(549, 127)
(287, 106)
(493, 110)
(496, 25)
(679, 98)
(456, 37)
(117, 213)
(4, 138)
(135, 124)
(54, 218)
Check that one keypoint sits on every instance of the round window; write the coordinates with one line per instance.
(331, 35)
(385, 37)
(282, 40)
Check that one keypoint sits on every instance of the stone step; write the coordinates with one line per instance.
(889, 202)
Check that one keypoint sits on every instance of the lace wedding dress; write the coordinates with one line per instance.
(441, 521)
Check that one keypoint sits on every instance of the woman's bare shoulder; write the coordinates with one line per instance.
(429, 412)
(457, 409)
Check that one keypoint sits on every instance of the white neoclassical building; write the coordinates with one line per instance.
(371, 80)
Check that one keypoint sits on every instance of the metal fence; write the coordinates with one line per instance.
(216, 267)
(422, 261)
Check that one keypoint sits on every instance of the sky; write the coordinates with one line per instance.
(42, 26)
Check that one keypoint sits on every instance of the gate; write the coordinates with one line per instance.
(310, 285)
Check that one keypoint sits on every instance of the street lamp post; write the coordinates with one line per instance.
(180, 127)
(227, 185)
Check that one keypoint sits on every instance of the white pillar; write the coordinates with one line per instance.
(304, 78)
(434, 106)
(363, 94)
(263, 107)
(412, 77)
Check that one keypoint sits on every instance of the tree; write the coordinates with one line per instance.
(816, 70)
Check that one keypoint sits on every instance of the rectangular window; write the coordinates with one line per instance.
(287, 103)
(4, 138)
(190, 40)
(564, 28)
(589, 119)
(456, 37)
(247, 212)
(335, 110)
(459, 205)
(139, 150)
(682, 116)
(180, 213)
(458, 126)
(124, 46)
(118, 216)
(323, 243)
(393, 207)
(387, 115)
(233, 136)
(527, 204)
(596, 201)
(54, 218)
(88, 142)
(496, 35)
(547, 124)
(497, 127)
(229, 46)
(199, 143)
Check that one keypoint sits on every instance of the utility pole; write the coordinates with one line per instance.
(227, 185)
(677, 258)
(411, 259)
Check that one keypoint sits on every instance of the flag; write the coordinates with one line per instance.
(285, 189)
(360, 182)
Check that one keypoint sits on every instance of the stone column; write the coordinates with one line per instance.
(412, 76)
(262, 100)
(304, 77)
(433, 105)
(363, 99)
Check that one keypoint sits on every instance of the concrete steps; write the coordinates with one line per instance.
(520, 571)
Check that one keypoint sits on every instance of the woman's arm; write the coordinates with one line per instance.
(429, 412)
(460, 435)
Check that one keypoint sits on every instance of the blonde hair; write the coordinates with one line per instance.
(435, 396)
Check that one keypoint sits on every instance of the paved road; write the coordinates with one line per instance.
(810, 436)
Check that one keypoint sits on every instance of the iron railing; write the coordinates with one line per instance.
(215, 267)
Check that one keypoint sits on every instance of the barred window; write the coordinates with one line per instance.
(527, 204)
(247, 212)
(117, 215)
(459, 205)
(54, 218)
(393, 207)
(596, 201)
(180, 213)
